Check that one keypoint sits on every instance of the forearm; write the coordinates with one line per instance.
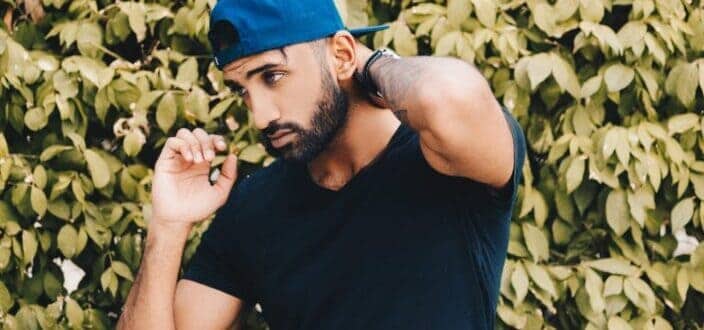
(422, 89)
(149, 304)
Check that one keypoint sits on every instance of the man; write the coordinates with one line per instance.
(385, 210)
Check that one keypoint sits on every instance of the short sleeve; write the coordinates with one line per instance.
(507, 195)
(216, 262)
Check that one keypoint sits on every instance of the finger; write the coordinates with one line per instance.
(176, 146)
(206, 144)
(194, 145)
(228, 174)
(218, 142)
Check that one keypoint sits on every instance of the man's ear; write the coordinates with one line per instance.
(344, 54)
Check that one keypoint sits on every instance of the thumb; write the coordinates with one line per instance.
(228, 174)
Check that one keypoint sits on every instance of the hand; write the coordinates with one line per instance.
(181, 191)
(363, 54)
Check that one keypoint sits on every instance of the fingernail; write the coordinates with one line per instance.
(221, 144)
(209, 154)
(198, 157)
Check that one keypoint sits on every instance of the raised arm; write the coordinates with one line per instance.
(462, 129)
(181, 196)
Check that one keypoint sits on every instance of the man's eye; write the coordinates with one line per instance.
(241, 91)
(235, 88)
(272, 77)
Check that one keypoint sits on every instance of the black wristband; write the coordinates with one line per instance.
(366, 78)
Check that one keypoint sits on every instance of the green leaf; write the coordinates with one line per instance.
(98, 168)
(594, 287)
(511, 317)
(29, 246)
(682, 283)
(4, 149)
(135, 15)
(591, 10)
(253, 153)
(39, 176)
(682, 213)
(89, 37)
(519, 282)
(701, 76)
(458, 11)
(65, 84)
(617, 213)
(133, 143)
(166, 112)
(651, 82)
(122, 269)
(7, 214)
(6, 301)
(687, 84)
(67, 239)
(565, 76)
(539, 69)
(617, 77)
(221, 108)
(197, 104)
(640, 294)
(404, 41)
(541, 278)
(613, 266)
(632, 34)
(447, 43)
(147, 99)
(698, 183)
(74, 313)
(536, 242)
(617, 323)
(188, 71)
(613, 285)
(640, 201)
(353, 12)
(575, 173)
(36, 119)
(681, 123)
(38, 200)
(52, 285)
(564, 9)
(486, 12)
(92, 70)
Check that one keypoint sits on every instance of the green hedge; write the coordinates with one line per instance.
(609, 93)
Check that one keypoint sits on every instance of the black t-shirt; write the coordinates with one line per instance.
(400, 246)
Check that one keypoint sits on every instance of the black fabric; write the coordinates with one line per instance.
(401, 246)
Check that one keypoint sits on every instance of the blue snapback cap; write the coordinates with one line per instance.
(239, 28)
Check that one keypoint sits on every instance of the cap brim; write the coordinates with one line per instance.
(368, 29)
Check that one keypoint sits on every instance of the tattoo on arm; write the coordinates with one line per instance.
(398, 79)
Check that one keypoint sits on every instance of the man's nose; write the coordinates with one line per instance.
(263, 113)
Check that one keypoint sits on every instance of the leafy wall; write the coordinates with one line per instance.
(607, 229)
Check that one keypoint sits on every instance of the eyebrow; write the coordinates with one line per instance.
(261, 68)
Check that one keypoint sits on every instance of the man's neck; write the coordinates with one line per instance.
(366, 134)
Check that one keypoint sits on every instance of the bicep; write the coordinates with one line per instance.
(197, 306)
(481, 148)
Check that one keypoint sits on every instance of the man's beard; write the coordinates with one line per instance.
(329, 117)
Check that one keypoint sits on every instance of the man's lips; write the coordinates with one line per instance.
(280, 138)
(279, 134)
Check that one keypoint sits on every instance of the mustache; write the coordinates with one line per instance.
(273, 127)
